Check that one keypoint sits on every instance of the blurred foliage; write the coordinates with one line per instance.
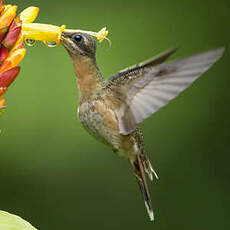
(12, 222)
(58, 177)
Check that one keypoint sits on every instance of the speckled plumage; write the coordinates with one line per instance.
(100, 120)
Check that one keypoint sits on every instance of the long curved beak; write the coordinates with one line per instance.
(100, 35)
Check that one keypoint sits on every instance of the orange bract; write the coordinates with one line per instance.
(10, 56)
(13, 59)
(12, 50)
(7, 16)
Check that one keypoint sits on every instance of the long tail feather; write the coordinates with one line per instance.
(138, 168)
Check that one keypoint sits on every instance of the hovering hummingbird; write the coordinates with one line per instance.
(110, 110)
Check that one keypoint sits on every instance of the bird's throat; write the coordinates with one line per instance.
(88, 76)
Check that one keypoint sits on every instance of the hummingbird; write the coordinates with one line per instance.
(111, 109)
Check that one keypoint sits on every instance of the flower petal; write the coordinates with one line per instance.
(2, 90)
(6, 7)
(29, 14)
(19, 42)
(2, 107)
(12, 35)
(3, 32)
(3, 54)
(8, 77)
(8, 16)
(1, 6)
(2, 102)
(42, 32)
(13, 60)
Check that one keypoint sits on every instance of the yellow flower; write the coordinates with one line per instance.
(42, 32)
(14, 30)
(7, 16)
(12, 50)
(100, 35)
(46, 32)
(29, 14)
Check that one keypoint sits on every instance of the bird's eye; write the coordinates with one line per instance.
(77, 38)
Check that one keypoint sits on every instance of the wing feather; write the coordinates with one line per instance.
(122, 75)
(157, 85)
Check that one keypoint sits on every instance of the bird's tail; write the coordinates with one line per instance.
(140, 165)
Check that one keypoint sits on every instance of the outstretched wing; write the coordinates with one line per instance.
(147, 88)
(134, 71)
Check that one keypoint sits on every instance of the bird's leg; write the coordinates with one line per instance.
(148, 167)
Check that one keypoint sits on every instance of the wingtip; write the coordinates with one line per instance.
(221, 50)
(218, 52)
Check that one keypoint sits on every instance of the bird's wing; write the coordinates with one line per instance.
(133, 71)
(147, 88)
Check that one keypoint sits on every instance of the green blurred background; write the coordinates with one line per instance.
(55, 175)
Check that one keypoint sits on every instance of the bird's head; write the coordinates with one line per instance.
(79, 44)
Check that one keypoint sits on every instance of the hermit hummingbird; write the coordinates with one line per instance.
(111, 109)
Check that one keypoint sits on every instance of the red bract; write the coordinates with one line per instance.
(7, 77)
(3, 54)
(11, 48)
(12, 35)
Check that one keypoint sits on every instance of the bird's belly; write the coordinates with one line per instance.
(100, 122)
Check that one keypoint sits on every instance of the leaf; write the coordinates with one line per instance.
(12, 222)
